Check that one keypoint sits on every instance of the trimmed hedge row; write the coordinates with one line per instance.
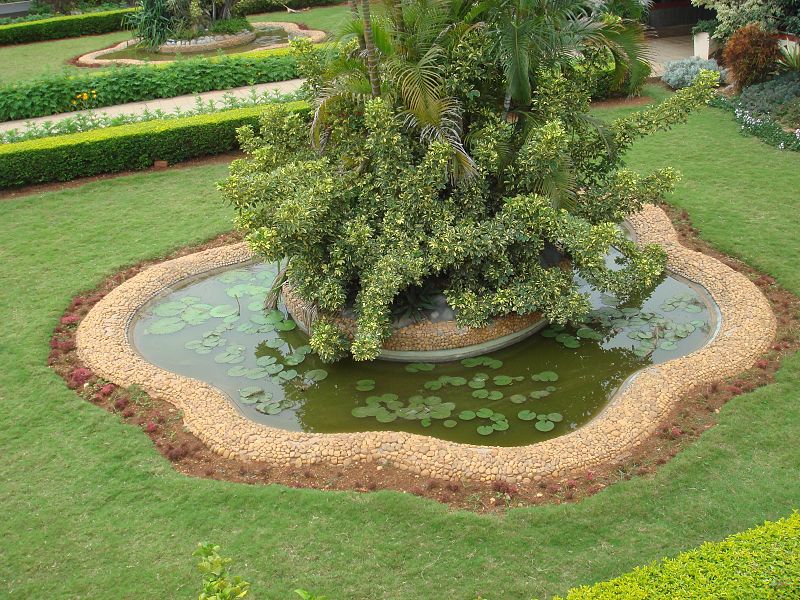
(250, 7)
(57, 94)
(763, 562)
(126, 147)
(64, 27)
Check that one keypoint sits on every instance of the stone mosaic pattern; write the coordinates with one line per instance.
(747, 328)
(94, 59)
(422, 336)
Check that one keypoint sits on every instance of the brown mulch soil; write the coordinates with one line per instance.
(163, 422)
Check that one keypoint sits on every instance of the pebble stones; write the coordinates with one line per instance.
(747, 327)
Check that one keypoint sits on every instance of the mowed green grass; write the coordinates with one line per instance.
(30, 61)
(91, 510)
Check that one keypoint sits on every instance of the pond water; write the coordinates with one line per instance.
(265, 38)
(214, 328)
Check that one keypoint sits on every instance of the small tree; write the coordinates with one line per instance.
(218, 583)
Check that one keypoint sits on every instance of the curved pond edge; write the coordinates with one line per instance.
(95, 58)
(746, 329)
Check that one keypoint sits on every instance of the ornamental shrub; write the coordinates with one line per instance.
(761, 563)
(125, 147)
(442, 153)
(64, 27)
(768, 97)
(771, 15)
(218, 582)
(681, 73)
(751, 55)
(57, 93)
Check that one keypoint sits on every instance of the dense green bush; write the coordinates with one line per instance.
(126, 147)
(57, 93)
(64, 27)
(455, 152)
(681, 73)
(761, 563)
(783, 15)
(769, 97)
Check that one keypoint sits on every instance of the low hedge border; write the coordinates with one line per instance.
(763, 562)
(126, 147)
(64, 27)
(61, 93)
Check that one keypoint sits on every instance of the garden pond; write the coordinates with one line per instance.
(265, 38)
(214, 328)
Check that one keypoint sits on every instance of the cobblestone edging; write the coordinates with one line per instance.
(746, 329)
(94, 59)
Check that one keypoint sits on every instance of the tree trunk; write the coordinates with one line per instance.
(226, 9)
(369, 46)
(356, 17)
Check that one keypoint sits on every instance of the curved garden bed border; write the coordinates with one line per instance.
(94, 59)
(746, 330)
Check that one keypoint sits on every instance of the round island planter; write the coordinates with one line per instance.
(633, 414)
(428, 340)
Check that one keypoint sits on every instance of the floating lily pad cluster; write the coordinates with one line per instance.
(685, 302)
(263, 401)
(177, 314)
(388, 407)
(649, 330)
(544, 421)
(482, 361)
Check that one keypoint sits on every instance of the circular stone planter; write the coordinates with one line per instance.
(745, 330)
(428, 341)
(95, 59)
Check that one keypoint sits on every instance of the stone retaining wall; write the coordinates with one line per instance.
(747, 327)
(424, 336)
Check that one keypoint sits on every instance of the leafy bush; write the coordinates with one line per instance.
(761, 563)
(708, 26)
(771, 15)
(64, 27)
(767, 98)
(790, 58)
(56, 93)
(448, 153)
(681, 73)
(751, 55)
(126, 147)
(218, 583)
(230, 26)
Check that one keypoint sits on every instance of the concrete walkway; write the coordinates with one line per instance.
(166, 104)
(665, 49)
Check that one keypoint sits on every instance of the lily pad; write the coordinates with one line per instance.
(545, 376)
(417, 367)
(316, 375)
(517, 398)
(485, 429)
(169, 309)
(466, 415)
(526, 415)
(223, 310)
(495, 395)
(500, 425)
(166, 326)
(450, 423)
(480, 394)
(484, 413)
(365, 385)
(544, 425)
(502, 380)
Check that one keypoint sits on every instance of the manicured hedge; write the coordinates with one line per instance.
(63, 27)
(249, 7)
(763, 562)
(55, 94)
(123, 148)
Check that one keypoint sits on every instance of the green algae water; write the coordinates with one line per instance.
(215, 329)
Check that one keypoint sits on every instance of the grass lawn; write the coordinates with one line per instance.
(324, 18)
(91, 510)
(29, 61)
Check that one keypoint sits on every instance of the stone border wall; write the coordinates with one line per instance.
(214, 43)
(425, 336)
(747, 327)
(94, 59)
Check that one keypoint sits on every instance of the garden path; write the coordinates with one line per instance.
(665, 49)
(166, 104)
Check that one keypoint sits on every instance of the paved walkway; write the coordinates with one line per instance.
(165, 104)
(665, 49)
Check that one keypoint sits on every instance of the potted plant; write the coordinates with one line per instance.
(704, 45)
